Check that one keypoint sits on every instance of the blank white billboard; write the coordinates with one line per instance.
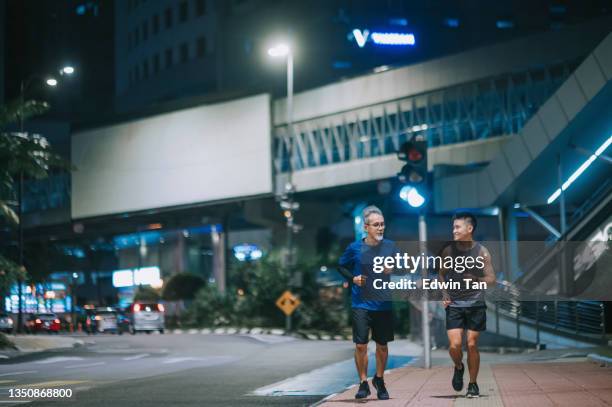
(195, 155)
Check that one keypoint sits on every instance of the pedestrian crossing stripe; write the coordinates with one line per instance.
(55, 383)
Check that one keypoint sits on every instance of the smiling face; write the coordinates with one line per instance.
(375, 227)
(462, 230)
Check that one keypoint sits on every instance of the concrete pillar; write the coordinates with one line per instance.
(218, 242)
(511, 239)
(180, 252)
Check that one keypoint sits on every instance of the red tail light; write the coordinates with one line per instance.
(160, 307)
(136, 307)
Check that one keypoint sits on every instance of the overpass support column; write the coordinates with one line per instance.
(509, 242)
(217, 235)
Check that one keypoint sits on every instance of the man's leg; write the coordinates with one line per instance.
(382, 354)
(361, 331)
(454, 346)
(473, 357)
(361, 360)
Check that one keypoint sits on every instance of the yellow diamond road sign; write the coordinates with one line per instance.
(287, 302)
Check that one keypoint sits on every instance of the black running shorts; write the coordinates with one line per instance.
(380, 322)
(472, 318)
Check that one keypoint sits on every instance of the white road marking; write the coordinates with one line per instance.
(177, 360)
(271, 338)
(86, 365)
(143, 355)
(58, 359)
(16, 373)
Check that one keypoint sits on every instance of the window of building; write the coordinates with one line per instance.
(184, 52)
(155, 24)
(145, 69)
(168, 17)
(183, 11)
(200, 6)
(201, 47)
(145, 30)
(168, 58)
(155, 64)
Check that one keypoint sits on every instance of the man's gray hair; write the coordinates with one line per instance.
(369, 210)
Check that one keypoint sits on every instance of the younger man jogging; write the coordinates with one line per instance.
(465, 308)
(369, 314)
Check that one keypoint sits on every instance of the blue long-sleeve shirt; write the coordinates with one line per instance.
(358, 258)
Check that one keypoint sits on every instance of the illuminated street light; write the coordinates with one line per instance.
(51, 82)
(279, 50)
(67, 70)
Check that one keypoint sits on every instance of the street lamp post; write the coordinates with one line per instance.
(288, 205)
(23, 87)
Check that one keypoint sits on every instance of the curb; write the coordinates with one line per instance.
(10, 354)
(259, 331)
(603, 361)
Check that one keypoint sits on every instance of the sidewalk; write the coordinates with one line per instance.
(27, 344)
(562, 382)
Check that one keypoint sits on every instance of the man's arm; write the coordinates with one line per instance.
(346, 263)
(489, 274)
(442, 276)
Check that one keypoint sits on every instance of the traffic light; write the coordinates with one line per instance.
(414, 174)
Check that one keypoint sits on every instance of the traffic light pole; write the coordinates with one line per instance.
(424, 299)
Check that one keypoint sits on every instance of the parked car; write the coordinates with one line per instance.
(101, 320)
(42, 322)
(6, 323)
(146, 317)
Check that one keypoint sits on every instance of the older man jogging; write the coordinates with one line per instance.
(369, 314)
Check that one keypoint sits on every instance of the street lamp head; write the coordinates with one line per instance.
(279, 50)
(51, 82)
(67, 70)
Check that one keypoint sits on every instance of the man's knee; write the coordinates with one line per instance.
(361, 347)
(454, 345)
(382, 348)
(472, 345)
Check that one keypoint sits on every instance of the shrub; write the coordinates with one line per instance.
(182, 286)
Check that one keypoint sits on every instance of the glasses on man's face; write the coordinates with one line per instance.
(377, 225)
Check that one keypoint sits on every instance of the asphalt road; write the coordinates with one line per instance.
(178, 370)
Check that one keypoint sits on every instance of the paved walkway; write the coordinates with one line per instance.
(526, 384)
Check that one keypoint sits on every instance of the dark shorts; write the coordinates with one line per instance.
(380, 322)
(472, 318)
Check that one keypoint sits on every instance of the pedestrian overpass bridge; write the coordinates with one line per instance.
(512, 106)
(469, 107)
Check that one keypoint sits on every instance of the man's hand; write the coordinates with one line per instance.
(359, 280)
(446, 300)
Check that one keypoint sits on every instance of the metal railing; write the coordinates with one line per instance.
(580, 320)
(476, 110)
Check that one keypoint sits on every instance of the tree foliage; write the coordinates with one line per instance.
(182, 286)
(145, 293)
(21, 154)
